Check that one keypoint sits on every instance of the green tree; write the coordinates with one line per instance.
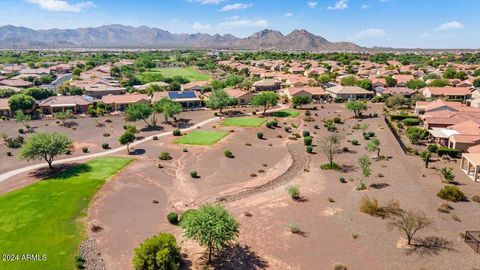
(76, 71)
(356, 107)
(391, 82)
(212, 226)
(364, 163)
(21, 102)
(416, 84)
(265, 99)
(139, 111)
(23, 118)
(476, 83)
(349, 80)
(439, 83)
(395, 101)
(219, 99)
(174, 86)
(159, 252)
(167, 107)
(301, 100)
(373, 145)
(365, 84)
(127, 138)
(410, 223)
(63, 116)
(449, 73)
(330, 146)
(46, 146)
(38, 93)
(324, 78)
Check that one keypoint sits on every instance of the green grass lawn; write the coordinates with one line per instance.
(189, 73)
(286, 113)
(244, 121)
(201, 137)
(46, 217)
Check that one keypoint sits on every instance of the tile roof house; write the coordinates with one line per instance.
(100, 90)
(77, 104)
(243, 97)
(194, 86)
(316, 93)
(267, 85)
(403, 79)
(121, 102)
(16, 83)
(5, 107)
(349, 92)
(459, 93)
(404, 91)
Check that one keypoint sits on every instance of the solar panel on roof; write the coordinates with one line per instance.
(180, 95)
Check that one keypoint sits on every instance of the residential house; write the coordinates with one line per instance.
(16, 83)
(403, 91)
(5, 107)
(267, 85)
(100, 90)
(243, 97)
(349, 92)
(403, 79)
(144, 87)
(455, 93)
(194, 86)
(121, 102)
(77, 104)
(188, 99)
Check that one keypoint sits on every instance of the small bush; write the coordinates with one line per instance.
(371, 134)
(361, 186)
(288, 129)
(294, 192)
(106, 134)
(476, 199)
(371, 207)
(309, 149)
(355, 142)
(105, 145)
(9, 154)
(21, 131)
(411, 122)
(337, 120)
(155, 138)
(185, 150)
(432, 148)
(340, 267)
(294, 227)
(366, 136)
(79, 262)
(228, 154)
(158, 252)
(194, 174)
(85, 149)
(307, 140)
(451, 152)
(342, 180)
(274, 123)
(315, 126)
(306, 133)
(269, 125)
(345, 149)
(172, 217)
(176, 132)
(328, 166)
(451, 193)
(260, 135)
(165, 156)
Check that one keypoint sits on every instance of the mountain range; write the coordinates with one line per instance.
(121, 36)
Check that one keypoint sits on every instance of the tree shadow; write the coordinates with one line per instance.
(182, 123)
(62, 171)
(69, 124)
(137, 152)
(186, 262)
(347, 168)
(431, 245)
(379, 185)
(152, 128)
(239, 257)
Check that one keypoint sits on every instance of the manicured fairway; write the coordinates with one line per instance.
(286, 113)
(244, 121)
(46, 217)
(201, 137)
(189, 73)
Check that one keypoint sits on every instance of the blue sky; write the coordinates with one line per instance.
(395, 23)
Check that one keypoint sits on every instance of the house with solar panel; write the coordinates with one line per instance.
(188, 99)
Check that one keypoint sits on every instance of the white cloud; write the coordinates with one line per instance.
(449, 26)
(288, 14)
(312, 4)
(237, 22)
(368, 33)
(201, 26)
(340, 4)
(207, 2)
(61, 5)
(236, 6)
(364, 6)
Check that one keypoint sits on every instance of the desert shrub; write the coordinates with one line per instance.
(21, 131)
(451, 152)
(371, 207)
(309, 149)
(13, 142)
(307, 140)
(79, 262)
(340, 267)
(165, 156)
(228, 154)
(315, 126)
(337, 120)
(260, 135)
(355, 142)
(366, 136)
(444, 208)
(158, 252)
(85, 149)
(194, 174)
(269, 124)
(172, 217)
(274, 123)
(294, 192)
(185, 150)
(415, 134)
(106, 134)
(411, 122)
(361, 186)
(328, 166)
(105, 145)
(476, 199)
(294, 227)
(176, 132)
(342, 180)
(9, 154)
(451, 193)
(306, 133)
(345, 149)
(371, 134)
(287, 129)
(400, 117)
(432, 148)
(155, 138)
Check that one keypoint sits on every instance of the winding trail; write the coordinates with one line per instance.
(5, 176)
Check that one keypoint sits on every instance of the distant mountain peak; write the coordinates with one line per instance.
(122, 36)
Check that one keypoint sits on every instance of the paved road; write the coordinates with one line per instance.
(9, 174)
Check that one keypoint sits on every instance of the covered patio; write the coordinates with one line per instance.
(470, 165)
(441, 135)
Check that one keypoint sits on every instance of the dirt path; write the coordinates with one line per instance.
(300, 161)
